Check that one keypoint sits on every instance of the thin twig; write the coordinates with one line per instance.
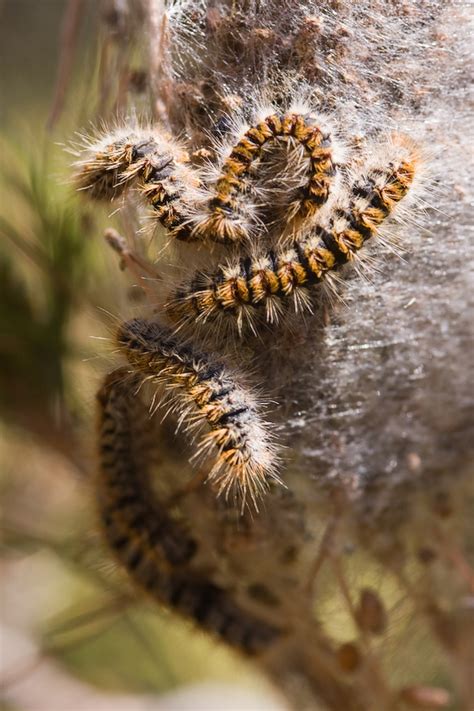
(67, 46)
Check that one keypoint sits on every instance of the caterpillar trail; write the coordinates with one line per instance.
(156, 551)
(206, 394)
(225, 219)
(146, 158)
(242, 288)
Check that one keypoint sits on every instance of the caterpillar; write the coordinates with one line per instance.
(169, 185)
(123, 489)
(223, 220)
(158, 165)
(155, 550)
(241, 288)
(206, 394)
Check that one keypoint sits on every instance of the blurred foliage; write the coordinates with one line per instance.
(35, 343)
(55, 277)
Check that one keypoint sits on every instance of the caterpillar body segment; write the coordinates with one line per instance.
(278, 277)
(213, 609)
(147, 159)
(207, 396)
(156, 551)
(226, 218)
(135, 526)
(163, 184)
(101, 172)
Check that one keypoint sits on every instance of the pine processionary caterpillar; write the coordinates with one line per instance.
(206, 393)
(224, 219)
(156, 164)
(166, 182)
(267, 281)
(123, 491)
(157, 551)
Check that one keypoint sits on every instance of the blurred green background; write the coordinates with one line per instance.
(67, 615)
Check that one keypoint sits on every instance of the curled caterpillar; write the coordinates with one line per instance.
(224, 220)
(167, 183)
(147, 158)
(156, 550)
(243, 287)
(205, 393)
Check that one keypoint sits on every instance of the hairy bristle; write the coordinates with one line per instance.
(205, 393)
(283, 276)
(148, 159)
(225, 215)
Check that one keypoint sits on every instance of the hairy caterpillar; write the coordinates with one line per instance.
(167, 183)
(157, 164)
(123, 490)
(223, 221)
(205, 393)
(240, 288)
(156, 550)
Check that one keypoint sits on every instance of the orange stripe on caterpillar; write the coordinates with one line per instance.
(225, 221)
(271, 280)
(206, 394)
(157, 551)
